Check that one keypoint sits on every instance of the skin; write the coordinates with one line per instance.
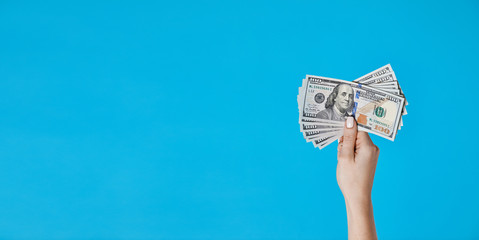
(357, 159)
(344, 98)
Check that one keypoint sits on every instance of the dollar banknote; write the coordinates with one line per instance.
(376, 73)
(375, 100)
(384, 79)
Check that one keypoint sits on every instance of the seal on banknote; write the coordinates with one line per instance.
(319, 98)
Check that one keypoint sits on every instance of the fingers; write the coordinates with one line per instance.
(348, 140)
(365, 144)
(363, 139)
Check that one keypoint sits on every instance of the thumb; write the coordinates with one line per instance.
(349, 139)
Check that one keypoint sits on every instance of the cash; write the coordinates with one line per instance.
(375, 100)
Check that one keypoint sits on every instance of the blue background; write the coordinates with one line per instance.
(178, 120)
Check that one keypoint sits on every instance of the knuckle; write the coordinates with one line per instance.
(375, 151)
(371, 148)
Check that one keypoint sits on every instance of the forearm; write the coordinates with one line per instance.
(360, 219)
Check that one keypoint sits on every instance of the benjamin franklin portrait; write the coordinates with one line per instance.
(339, 104)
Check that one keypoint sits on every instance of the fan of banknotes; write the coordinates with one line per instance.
(375, 100)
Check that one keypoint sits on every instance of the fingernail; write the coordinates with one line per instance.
(349, 122)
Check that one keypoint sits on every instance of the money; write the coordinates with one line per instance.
(376, 73)
(375, 100)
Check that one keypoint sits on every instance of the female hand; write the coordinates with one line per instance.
(357, 159)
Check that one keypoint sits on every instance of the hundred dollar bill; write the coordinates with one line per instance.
(317, 132)
(388, 78)
(323, 142)
(317, 142)
(394, 84)
(317, 126)
(314, 133)
(311, 120)
(327, 122)
(389, 90)
(376, 111)
(386, 81)
(323, 135)
(384, 73)
(329, 141)
(306, 121)
(376, 73)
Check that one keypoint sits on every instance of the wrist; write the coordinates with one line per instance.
(358, 202)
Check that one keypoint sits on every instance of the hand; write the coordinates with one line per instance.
(357, 159)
